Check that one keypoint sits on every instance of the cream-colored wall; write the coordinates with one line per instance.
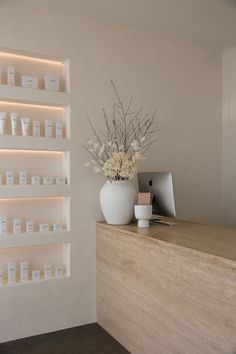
(182, 80)
(229, 136)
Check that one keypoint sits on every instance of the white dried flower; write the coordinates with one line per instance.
(135, 145)
(119, 166)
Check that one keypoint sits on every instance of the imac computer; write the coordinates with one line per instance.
(160, 185)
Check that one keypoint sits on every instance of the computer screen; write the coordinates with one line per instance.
(160, 185)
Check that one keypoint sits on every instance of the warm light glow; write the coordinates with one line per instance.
(39, 152)
(31, 58)
(31, 105)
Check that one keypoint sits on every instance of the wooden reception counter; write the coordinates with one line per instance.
(168, 289)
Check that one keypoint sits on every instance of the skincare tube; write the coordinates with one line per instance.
(2, 122)
(25, 124)
(14, 123)
(36, 128)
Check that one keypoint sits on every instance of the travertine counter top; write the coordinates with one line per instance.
(214, 240)
(168, 289)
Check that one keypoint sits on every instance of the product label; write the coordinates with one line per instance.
(47, 180)
(11, 272)
(47, 271)
(24, 273)
(17, 226)
(58, 272)
(35, 180)
(10, 177)
(43, 227)
(60, 180)
(35, 275)
(3, 224)
(58, 130)
(48, 128)
(29, 226)
(23, 177)
(57, 227)
(36, 128)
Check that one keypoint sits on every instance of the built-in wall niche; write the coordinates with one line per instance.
(39, 113)
(33, 66)
(56, 255)
(34, 163)
(49, 210)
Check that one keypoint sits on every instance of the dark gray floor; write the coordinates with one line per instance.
(88, 339)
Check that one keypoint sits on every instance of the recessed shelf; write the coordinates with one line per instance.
(34, 191)
(34, 239)
(34, 96)
(30, 282)
(33, 143)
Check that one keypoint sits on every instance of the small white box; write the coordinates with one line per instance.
(10, 178)
(23, 177)
(51, 82)
(35, 180)
(11, 272)
(35, 275)
(29, 226)
(60, 180)
(47, 271)
(11, 75)
(57, 227)
(43, 227)
(36, 128)
(1, 278)
(3, 224)
(24, 272)
(59, 133)
(58, 271)
(17, 226)
(47, 181)
(48, 128)
(29, 82)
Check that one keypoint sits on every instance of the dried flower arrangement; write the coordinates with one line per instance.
(127, 136)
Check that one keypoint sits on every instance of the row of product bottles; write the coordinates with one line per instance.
(30, 128)
(29, 226)
(48, 272)
(51, 82)
(10, 178)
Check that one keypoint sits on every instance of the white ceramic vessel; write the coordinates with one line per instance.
(143, 213)
(117, 201)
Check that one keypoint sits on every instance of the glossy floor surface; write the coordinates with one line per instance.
(88, 339)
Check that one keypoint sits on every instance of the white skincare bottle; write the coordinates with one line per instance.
(35, 275)
(10, 177)
(25, 124)
(14, 123)
(2, 122)
(17, 226)
(23, 177)
(58, 271)
(36, 128)
(59, 129)
(29, 226)
(48, 128)
(3, 224)
(24, 272)
(47, 271)
(11, 272)
(11, 75)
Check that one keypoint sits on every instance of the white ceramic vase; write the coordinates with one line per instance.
(117, 201)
